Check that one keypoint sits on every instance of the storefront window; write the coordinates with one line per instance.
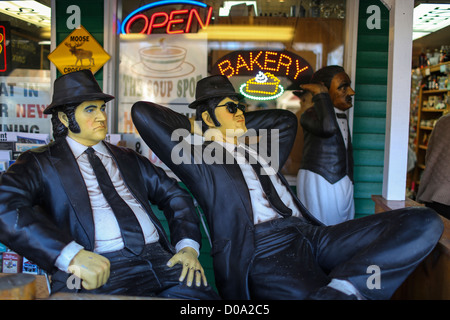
(24, 74)
(165, 48)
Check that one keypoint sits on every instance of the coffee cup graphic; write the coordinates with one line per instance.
(163, 58)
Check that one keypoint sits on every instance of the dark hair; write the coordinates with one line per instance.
(326, 75)
(59, 129)
(210, 106)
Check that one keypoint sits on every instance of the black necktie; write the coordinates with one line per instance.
(130, 228)
(267, 185)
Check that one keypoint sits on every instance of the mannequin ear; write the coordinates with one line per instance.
(63, 118)
(207, 119)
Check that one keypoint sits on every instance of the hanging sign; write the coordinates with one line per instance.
(262, 71)
(171, 22)
(160, 69)
(24, 99)
(79, 51)
(279, 63)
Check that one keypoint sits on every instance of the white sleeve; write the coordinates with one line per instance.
(66, 255)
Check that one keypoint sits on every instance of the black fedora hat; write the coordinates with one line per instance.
(76, 87)
(214, 87)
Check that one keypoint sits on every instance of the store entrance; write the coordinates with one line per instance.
(430, 97)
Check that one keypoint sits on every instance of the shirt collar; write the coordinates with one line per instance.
(78, 149)
(336, 110)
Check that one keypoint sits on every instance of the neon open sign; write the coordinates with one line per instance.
(177, 21)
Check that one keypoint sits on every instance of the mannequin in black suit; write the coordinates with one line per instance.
(52, 211)
(258, 253)
(325, 178)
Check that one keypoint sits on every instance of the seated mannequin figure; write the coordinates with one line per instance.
(81, 205)
(269, 247)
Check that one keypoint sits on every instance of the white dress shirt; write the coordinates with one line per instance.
(108, 237)
(262, 211)
(338, 204)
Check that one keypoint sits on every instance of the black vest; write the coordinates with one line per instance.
(326, 155)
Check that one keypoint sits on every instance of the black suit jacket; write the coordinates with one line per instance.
(44, 203)
(220, 189)
(324, 150)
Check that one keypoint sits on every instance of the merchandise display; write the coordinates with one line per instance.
(430, 101)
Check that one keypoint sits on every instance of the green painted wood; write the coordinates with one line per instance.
(371, 92)
(365, 190)
(364, 207)
(372, 76)
(369, 122)
(376, 109)
(369, 174)
(371, 141)
(374, 43)
(372, 59)
(369, 125)
(368, 158)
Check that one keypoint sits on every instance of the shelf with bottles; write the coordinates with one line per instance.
(430, 100)
(433, 60)
(434, 103)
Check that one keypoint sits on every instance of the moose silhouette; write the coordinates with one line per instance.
(80, 54)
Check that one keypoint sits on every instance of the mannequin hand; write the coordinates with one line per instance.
(92, 268)
(188, 258)
(315, 88)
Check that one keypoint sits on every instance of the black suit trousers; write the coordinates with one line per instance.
(293, 258)
(145, 275)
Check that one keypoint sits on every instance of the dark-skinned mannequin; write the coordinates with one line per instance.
(325, 178)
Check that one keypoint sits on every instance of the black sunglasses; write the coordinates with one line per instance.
(233, 107)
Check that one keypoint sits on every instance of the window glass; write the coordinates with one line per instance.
(265, 47)
(24, 70)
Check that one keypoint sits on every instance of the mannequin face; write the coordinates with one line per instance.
(91, 117)
(340, 91)
(232, 125)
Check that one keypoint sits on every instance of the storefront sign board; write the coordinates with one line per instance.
(160, 69)
(23, 100)
(79, 51)
(263, 74)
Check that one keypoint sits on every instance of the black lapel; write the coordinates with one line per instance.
(72, 181)
(237, 178)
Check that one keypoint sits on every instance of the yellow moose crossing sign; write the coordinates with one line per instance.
(79, 51)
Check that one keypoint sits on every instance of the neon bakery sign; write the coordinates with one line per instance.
(174, 22)
(264, 68)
